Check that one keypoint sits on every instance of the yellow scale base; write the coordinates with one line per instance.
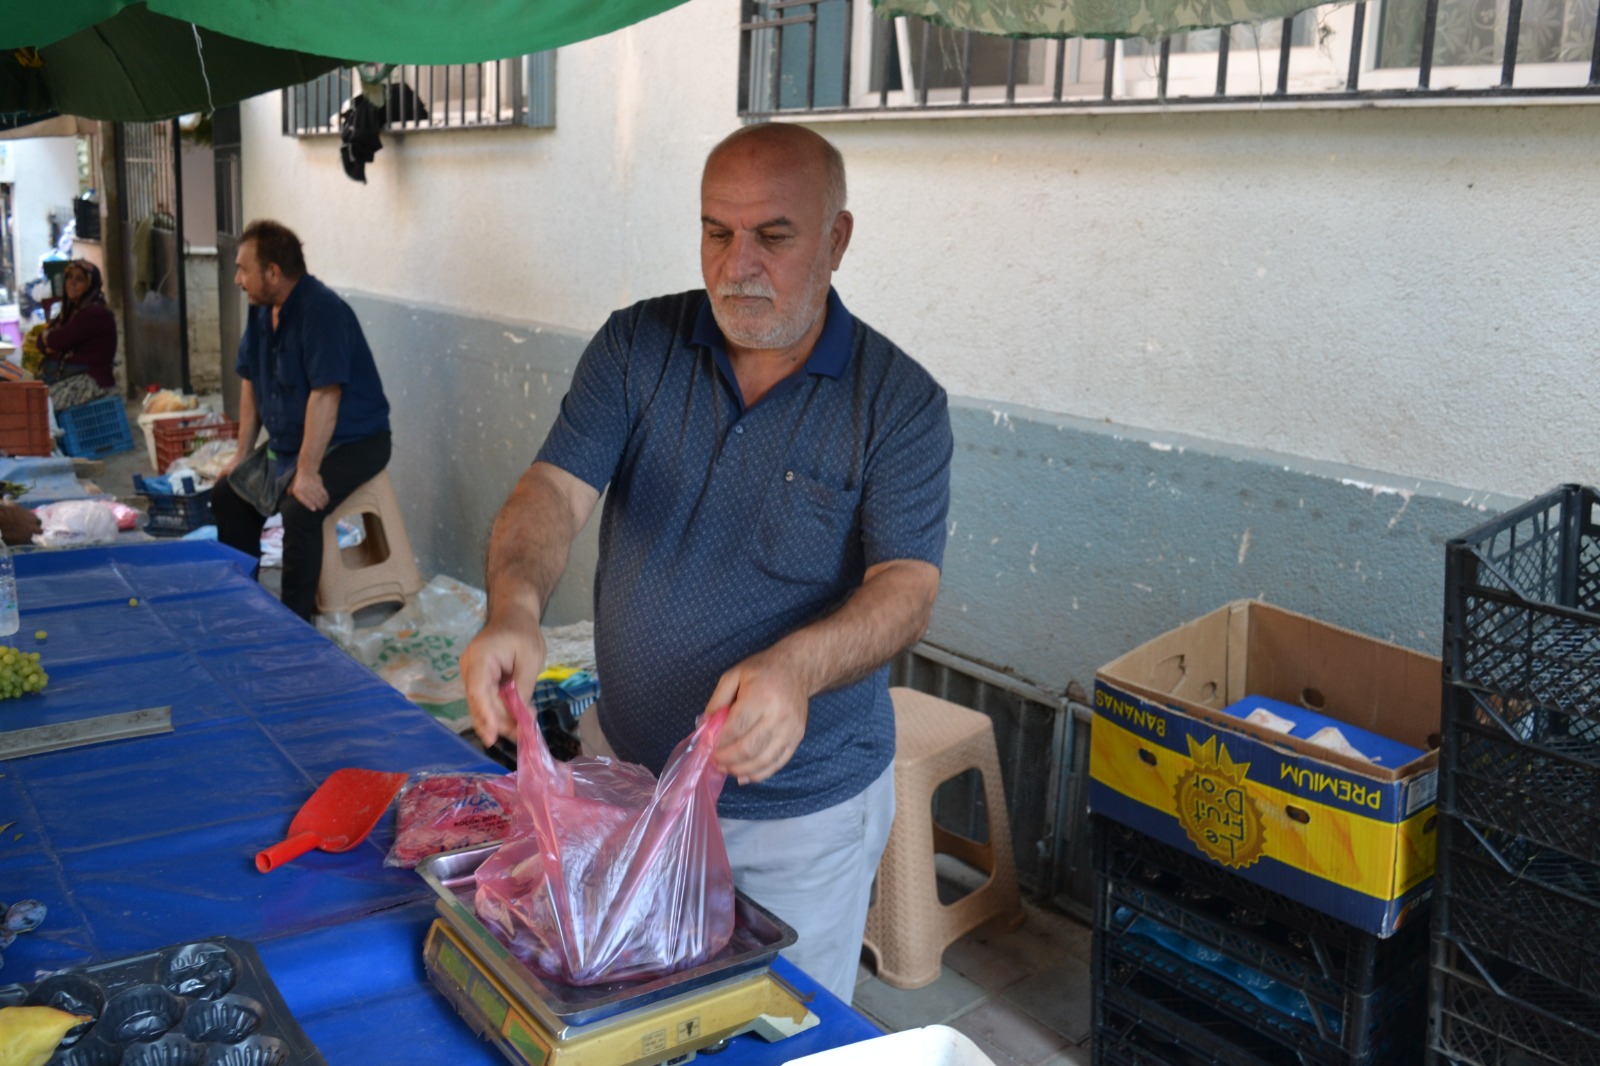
(670, 1032)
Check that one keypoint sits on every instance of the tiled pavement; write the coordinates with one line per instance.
(1022, 995)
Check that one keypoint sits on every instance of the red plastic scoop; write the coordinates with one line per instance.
(337, 817)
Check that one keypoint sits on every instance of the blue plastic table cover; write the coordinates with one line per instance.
(147, 841)
(138, 843)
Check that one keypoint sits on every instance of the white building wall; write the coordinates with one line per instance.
(46, 179)
(1406, 290)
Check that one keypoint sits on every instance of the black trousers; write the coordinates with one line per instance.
(344, 469)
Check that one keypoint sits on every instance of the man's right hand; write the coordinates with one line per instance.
(511, 647)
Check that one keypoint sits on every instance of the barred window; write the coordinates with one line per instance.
(509, 92)
(836, 56)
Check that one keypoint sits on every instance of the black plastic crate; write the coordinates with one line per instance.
(1368, 1030)
(1135, 1038)
(170, 515)
(1549, 793)
(1522, 617)
(1314, 988)
(1283, 938)
(1521, 901)
(1487, 1012)
(1196, 1013)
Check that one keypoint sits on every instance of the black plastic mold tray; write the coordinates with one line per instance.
(202, 1003)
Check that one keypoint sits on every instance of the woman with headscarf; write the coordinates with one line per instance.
(83, 339)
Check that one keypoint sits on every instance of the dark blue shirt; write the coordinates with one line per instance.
(727, 528)
(318, 343)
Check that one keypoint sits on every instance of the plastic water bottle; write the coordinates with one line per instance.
(9, 621)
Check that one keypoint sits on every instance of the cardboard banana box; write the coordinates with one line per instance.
(1350, 837)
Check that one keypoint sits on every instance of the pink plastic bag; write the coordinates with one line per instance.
(608, 874)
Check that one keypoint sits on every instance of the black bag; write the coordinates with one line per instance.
(255, 482)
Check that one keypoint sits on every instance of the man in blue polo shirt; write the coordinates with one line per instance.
(778, 477)
(307, 376)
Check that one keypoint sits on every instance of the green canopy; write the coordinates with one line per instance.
(139, 66)
(1091, 18)
(138, 61)
(378, 31)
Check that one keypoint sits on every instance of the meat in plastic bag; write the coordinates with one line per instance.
(443, 812)
(608, 874)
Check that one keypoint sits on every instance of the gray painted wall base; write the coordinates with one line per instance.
(471, 400)
(1071, 541)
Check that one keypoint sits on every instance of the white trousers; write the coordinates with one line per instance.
(815, 871)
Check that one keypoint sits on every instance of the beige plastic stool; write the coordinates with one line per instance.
(908, 928)
(382, 567)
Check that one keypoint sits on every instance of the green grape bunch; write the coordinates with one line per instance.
(20, 673)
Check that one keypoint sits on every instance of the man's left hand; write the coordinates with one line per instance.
(767, 721)
(309, 490)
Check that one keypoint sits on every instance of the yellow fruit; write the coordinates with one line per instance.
(29, 1035)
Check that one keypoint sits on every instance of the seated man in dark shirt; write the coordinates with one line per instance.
(307, 376)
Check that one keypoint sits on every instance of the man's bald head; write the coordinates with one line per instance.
(796, 144)
(773, 229)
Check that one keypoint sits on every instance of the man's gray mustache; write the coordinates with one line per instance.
(748, 289)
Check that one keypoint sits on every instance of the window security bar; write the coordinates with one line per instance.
(510, 92)
(836, 57)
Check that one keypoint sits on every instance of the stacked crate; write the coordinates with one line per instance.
(1193, 964)
(1516, 948)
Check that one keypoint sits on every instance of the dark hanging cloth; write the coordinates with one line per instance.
(359, 123)
(402, 104)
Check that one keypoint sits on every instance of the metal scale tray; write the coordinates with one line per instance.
(758, 936)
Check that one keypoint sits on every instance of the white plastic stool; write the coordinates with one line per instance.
(908, 927)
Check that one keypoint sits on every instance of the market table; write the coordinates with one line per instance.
(140, 843)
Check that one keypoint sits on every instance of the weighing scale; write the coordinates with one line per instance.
(536, 1021)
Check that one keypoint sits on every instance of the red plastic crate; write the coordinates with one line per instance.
(178, 437)
(25, 418)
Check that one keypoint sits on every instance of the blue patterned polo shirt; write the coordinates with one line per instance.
(725, 528)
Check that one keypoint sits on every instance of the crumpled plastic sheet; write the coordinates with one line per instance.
(418, 650)
(81, 523)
